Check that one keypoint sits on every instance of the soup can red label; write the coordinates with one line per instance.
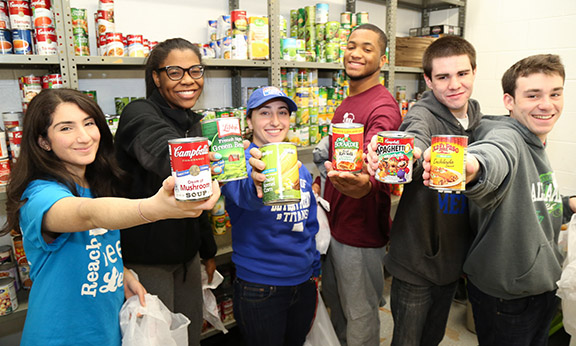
(395, 157)
(41, 13)
(191, 168)
(448, 163)
(4, 16)
(114, 44)
(46, 43)
(4, 171)
(347, 146)
(20, 14)
(52, 81)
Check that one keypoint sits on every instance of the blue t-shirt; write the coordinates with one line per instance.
(78, 288)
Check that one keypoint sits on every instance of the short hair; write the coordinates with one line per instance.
(382, 38)
(548, 64)
(160, 53)
(445, 47)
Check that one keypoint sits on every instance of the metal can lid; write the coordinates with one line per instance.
(187, 140)
(395, 134)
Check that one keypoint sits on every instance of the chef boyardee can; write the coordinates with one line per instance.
(395, 157)
(347, 147)
(226, 138)
(282, 184)
(448, 163)
(190, 165)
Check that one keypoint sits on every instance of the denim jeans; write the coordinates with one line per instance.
(274, 315)
(420, 313)
(515, 322)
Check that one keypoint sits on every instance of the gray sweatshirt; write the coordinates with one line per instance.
(516, 212)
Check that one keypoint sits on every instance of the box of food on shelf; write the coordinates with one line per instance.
(409, 50)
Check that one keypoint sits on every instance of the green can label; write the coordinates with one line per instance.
(282, 184)
(226, 138)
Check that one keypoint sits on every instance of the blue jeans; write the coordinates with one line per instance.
(420, 313)
(515, 322)
(274, 315)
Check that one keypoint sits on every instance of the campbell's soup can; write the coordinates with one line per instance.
(20, 14)
(30, 86)
(395, 157)
(15, 140)
(42, 13)
(52, 81)
(347, 147)
(4, 16)
(114, 44)
(226, 138)
(46, 41)
(107, 5)
(282, 184)
(448, 163)
(4, 171)
(5, 41)
(12, 119)
(190, 165)
(102, 49)
(3, 147)
(8, 299)
(105, 22)
(23, 41)
(135, 45)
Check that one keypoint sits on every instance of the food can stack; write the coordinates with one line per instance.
(27, 27)
(80, 31)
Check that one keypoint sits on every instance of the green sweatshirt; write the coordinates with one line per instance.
(516, 212)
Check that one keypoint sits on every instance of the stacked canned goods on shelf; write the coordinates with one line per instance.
(10, 139)
(313, 37)
(237, 36)
(27, 27)
(316, 104)
(31, 85)
(14, 274)
(108, 41)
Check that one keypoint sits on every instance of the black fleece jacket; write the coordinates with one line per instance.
(142, 150)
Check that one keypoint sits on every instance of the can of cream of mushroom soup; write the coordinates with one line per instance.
(190, 166)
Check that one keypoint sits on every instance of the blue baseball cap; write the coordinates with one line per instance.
(264, 94)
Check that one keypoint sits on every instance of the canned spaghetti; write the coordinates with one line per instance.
(395, 157)
(190, 166)
(448, 163)
(347, 146)
(226, 138)
(282, 184)
(8, 299)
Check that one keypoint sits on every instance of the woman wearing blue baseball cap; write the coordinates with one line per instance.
(275, 291)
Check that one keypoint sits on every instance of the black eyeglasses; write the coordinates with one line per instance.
(176, 73)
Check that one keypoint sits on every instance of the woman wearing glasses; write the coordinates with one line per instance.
(166, 254)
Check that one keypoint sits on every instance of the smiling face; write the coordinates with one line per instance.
(184, 93)
(537, 102)
(73, 137)
(452, 82)
(362, 57)
(270, 122)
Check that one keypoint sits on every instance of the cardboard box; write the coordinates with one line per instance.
(409, 50)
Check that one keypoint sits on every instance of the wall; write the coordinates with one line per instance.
(504, 32)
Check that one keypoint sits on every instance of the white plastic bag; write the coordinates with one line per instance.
(323, 235)
(210, 306)
(322, 332)
(153, 324)
(567, 283)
